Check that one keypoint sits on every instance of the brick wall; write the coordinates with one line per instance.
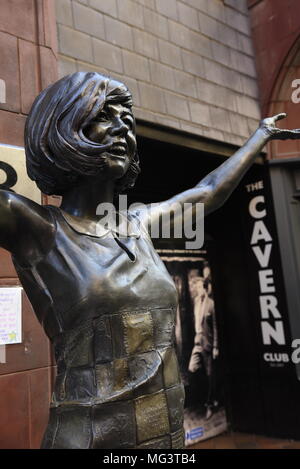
(28, 64)
(276, 36)
(27, 60)
(189, 63)
(275, 29)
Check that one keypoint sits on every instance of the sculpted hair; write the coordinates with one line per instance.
(58, 153)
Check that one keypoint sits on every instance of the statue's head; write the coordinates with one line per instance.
(81, 126)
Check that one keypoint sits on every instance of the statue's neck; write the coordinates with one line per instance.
(83, 200)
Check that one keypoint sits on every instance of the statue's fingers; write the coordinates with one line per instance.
(295, 133)
(285, 134)
(280, 116)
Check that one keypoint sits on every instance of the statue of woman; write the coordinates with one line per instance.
(105, 299)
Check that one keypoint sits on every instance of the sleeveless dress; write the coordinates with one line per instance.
(108, 306)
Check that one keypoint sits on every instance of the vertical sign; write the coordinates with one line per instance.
(265, 279)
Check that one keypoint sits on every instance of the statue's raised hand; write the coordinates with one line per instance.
(274, 133)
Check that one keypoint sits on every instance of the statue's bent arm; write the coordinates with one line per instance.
(25, 226)
(215, 188)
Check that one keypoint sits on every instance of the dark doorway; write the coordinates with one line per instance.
(168, 169)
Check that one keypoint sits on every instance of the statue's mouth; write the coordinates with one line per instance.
(118, 149)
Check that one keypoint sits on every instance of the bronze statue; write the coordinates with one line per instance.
(105, 301)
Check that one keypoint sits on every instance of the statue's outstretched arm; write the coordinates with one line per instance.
(25, 226)
(217, 186)
(8, 222)
(223, 180)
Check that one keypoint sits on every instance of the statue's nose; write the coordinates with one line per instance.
(118, 127)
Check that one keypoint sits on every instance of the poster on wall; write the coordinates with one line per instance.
(197, 343)
(10, 315)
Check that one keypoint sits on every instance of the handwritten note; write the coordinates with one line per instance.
(10, 315)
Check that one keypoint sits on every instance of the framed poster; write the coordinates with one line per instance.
(197, 343)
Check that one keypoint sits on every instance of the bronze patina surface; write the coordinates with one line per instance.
(105, 300)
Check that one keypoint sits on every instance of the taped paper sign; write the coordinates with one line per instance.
(10, 315)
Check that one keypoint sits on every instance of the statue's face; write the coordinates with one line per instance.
(115, 127)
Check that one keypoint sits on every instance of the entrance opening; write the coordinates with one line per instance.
(169, 169)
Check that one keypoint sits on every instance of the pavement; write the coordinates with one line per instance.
(235, 440)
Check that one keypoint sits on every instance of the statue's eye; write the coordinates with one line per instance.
(128, 120)
(102, 117)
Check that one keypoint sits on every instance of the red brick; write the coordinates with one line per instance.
(18, 18)
(295, 15)
(49, 72)
(9, 282)
(7, 269)
(50, 25)
(40, 393)
(9, 71)
(284, 89)
(275, 27)
(28, 53)
(14, 411)
(288, 148)
(293, 116)
(252, 3)
(244, 441)
(12, 128)
(46, 23)
(40, 22)
(24, 408)
(206, 444)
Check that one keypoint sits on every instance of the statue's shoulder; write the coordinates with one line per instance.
(22, 207)
(29, 227)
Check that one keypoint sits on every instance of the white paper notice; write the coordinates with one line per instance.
(10, 315)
